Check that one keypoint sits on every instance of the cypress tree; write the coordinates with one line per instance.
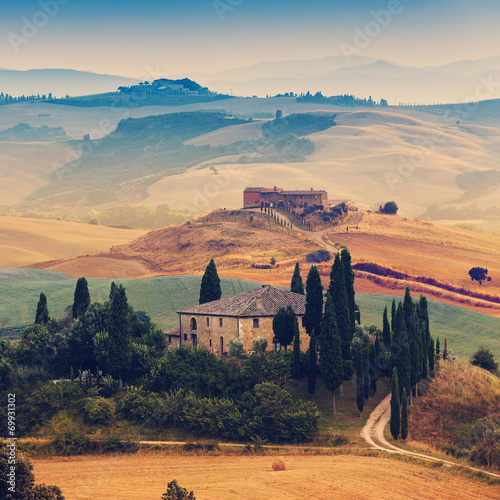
(373, 369)
(431, 355)
(393, 314)
(296, 350)
(42, 311)
(283, 325)
(404, 417)
(338, 293)
(386, 330)
(437, 346)
(71, 374)
(119, 334)
(210, 284)
(395, 423)
(81, 300)
(297, 286)
(400, 351)
(314, 301)
(345, 258)
(331, 352)
(360, 382)
(311, 379)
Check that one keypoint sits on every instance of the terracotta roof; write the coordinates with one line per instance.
(247, 304)
(303, 192)
(262, 190)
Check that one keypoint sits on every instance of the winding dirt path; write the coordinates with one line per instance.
(373, 434)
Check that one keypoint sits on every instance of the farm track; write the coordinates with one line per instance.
(373, 431)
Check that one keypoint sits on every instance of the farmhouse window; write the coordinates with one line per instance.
(256, 323)
(220, 321)
(210, 340)
(276, 344)
(194, 338)
(208, 321)
(185, 336)
(194, 325)
(303, 321)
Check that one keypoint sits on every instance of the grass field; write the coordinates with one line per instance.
(162, 296)
(251, 477)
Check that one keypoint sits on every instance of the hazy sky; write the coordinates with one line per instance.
(138, 38)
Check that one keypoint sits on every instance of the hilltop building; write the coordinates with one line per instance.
(247, 316)
(255, 197)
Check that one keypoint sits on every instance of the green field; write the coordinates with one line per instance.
(160, 297)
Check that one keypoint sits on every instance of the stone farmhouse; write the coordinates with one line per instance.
(247, 316)
(255, 197)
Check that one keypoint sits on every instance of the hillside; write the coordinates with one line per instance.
(235, 239)
(425, 252)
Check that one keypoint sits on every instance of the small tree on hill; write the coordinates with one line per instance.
(297, 286)
(390, 208)
(479, 274)
(395, 424)
(42, 311)
(485, 359)
(81, 300)
(210, 284)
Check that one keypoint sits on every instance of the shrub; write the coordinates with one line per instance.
(279, 464)
(43, 492)
(98, 411)
(390, 208)
(318, 256)
(109, 386)
(485, 359)
(72, 441)
(176, 492)
(137, 405)
(236, 349)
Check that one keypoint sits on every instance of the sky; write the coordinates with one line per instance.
(150, 38)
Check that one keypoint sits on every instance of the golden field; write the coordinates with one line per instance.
(251, 477)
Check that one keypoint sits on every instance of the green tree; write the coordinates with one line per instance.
(176, 492)
(210, 284)
(297, 286)
(431, 354)
(400, 351)
(345, 258)
(393, 314)
(42, 311)
(338, 293)
(360, 382)
(404, 417)
(283, 325)
(437, 346)
(313, 360)
(81, 300)
(331, 352)
(373, 369)
(479, 274)
(386, 330)
(485, 359)
(119, 334)
(314, 301)
(390, 208)
(296, 350)
(395, 423)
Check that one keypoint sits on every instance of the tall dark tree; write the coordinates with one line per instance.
(395, 423)
(404, 416)
(283, 325)
(119, 334)
(81, 300)
(393, 314)
(210, 284)
(345, 258)
(313, 360)
(314, 301)
(386, 329)
(338, 293)
(360, 382)
(437, 346)
(42, 311)
(296, 372)
(297, 286)
(373, 369)
(331, 353)
(431, 354)
(400, 351)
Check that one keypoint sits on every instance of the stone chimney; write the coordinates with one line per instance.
(258, 301)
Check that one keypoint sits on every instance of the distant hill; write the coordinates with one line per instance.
(23, 132)
(59, 82)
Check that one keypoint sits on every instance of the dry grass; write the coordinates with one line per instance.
(279, 464)
(250, 477)
(25, 241)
